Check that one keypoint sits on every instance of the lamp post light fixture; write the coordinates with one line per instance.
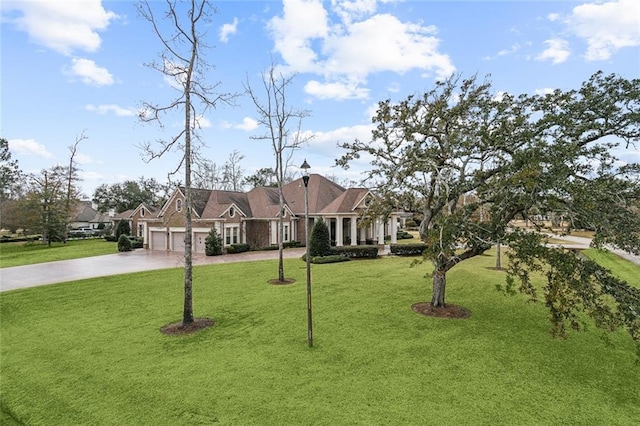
(305, 178)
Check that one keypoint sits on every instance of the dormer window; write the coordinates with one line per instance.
(232, 212)
(178, 205)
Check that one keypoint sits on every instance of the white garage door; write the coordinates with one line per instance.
(158, 240)
(198, 241)
(177, 241)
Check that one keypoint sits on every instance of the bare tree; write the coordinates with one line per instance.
(72, 177)
(275, 116)
(233, 173)
(182, 62)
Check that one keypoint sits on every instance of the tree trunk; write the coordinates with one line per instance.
(499, 257)
(439, 284)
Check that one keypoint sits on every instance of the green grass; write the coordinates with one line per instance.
(620, 267)
(90, 352)
(17, 254)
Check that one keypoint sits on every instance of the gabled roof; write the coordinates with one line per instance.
(322, 192)
(152, 210)
(218, 202)
(83, 212)
(347, 201)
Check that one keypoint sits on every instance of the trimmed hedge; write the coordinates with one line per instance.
(237, 248)
(292, 244)
(356, 252)
(334, 258)
(408, 249)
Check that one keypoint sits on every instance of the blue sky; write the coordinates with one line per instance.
(71, 66)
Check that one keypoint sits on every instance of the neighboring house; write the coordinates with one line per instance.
(252, 217)
(85, 216)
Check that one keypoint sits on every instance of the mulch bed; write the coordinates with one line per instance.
(449, 311)
(178, 328)
(286, 281)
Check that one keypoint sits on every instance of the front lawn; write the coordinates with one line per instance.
(17, 254)
(90, 352)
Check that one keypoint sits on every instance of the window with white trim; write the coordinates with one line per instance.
(179, 205)
(231, 235)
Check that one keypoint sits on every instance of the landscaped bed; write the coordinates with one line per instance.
(91, 352)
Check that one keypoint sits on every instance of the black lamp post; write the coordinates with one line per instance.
(305, 178)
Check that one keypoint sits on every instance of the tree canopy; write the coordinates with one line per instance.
(472, 160)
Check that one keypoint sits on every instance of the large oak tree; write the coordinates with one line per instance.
(474, 160)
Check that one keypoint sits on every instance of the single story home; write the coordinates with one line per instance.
(252, 217)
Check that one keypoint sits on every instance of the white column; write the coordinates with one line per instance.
(339, 238)
(354, 231)
(380, 224)
(394, 229)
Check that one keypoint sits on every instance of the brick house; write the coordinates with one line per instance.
(252, 217)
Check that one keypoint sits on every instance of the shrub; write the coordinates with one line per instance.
(237, 248)
(122, 228)
(136, 242)
(124, 243)
(404, 235)
(292, 244)
(333, 258)
(111, 238)
(408, 249)
(320, 240)
(213, 243)
(356, 252)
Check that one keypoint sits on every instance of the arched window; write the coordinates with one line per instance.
(232, 212)
(142, 212)
(178, 205)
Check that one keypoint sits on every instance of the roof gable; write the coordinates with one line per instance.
(322, 192)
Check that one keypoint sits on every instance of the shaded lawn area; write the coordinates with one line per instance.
(90, 352)
(17, 254)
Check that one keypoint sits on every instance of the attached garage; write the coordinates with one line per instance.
(198, 241)
(158, 240)
(177, 241)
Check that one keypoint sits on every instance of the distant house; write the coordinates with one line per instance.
(85, 216)
(252, 217)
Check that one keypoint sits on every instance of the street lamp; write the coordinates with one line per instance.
(305, 178)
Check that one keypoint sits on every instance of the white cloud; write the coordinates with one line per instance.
(331, 138)
(117, 110)
(29, 147)
(83, 158)
(64, 26)
(248, 124)
(90, 73)
(202, 122)
(336, 90)
(544, 91)
(606, 27)
(228, 29)
(553, 17)
(557, 51)
(346, 53)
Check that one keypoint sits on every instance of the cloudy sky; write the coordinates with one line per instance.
(71, 66)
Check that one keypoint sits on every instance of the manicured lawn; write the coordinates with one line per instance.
(90, 352)
(16, 254)
(621, 268)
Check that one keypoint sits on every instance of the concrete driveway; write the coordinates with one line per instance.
(119, 263)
